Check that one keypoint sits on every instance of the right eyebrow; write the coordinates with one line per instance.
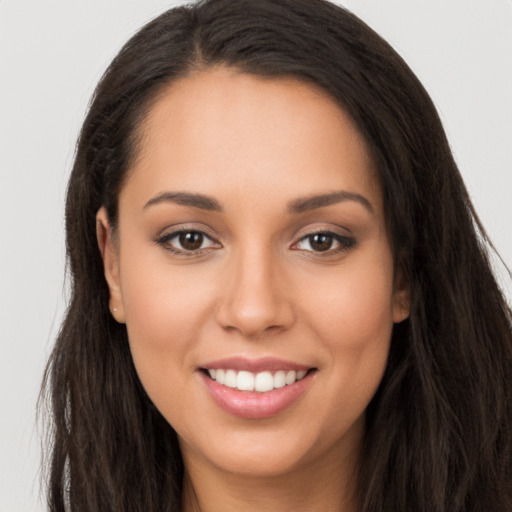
(201, 201)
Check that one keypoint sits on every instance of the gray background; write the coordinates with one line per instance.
(51, 55)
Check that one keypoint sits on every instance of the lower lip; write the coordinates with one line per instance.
(253, 404)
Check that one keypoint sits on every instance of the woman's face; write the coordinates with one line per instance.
(252, 246)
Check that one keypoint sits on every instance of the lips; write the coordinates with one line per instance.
(255, 389)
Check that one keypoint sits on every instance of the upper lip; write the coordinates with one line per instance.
(254, 365)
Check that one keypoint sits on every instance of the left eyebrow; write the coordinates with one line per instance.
(304, 204)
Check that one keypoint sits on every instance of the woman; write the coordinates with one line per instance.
(281, 292)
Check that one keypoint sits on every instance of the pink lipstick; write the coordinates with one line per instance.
(256, 389)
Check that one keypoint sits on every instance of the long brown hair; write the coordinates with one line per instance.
(439, 429)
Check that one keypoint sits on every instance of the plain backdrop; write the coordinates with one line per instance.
(53, 52)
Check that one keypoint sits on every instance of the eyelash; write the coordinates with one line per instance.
(344, 243)
(165, 242)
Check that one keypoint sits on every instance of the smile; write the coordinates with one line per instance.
(256, 389)
(261, 382)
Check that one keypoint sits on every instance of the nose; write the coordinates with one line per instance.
(255, 299)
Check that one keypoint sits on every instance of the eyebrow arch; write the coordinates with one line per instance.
(186, 199)
(304, 204)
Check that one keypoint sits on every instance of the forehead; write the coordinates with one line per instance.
(220, 130)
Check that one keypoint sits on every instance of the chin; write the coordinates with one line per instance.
(271, 450)
(259, 461)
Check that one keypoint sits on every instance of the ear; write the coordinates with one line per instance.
(110, 255)
(401, 297)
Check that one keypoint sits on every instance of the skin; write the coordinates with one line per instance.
(258, 287)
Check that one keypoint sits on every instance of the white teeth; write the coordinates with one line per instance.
(261, 382)
(291, 376)
(245, 381)
(280, 379)
(219, 377)
(230, 379)
(264, 382)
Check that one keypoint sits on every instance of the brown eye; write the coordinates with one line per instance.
(325, 242)
(191, 240)
(187, 242)
(321, 242)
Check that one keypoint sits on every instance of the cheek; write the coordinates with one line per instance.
(352, 317)
(164, 315)
(162, 301)
(355, 306)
